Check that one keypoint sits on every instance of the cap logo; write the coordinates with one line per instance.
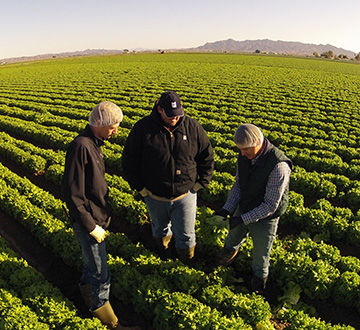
(173, 105)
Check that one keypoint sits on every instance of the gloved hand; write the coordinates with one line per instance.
(98, 233)
(234, 221)
(196, 188)
(222, 214)
(144, 192)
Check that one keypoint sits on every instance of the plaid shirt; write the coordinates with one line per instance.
(278, 180)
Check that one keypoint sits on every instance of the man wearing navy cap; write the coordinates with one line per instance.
(168, 158)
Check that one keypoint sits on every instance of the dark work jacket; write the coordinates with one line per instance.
(85, 190)
(167, 163)
(253, 179)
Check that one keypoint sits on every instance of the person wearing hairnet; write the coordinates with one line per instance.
(256, 201)
(86, 195)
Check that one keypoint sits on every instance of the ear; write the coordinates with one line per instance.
(159, 109)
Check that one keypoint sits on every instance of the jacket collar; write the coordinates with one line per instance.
(261, 158)
(89, 133)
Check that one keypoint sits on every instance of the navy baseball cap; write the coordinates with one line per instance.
(170, 102)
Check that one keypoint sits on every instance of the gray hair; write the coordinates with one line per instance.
(104, 114)
(248, 135)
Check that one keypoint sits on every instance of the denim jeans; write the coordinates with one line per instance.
(263, 233)
(176, 217)
(95, 271)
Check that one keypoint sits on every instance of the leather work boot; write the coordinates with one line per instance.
(226, 256)
(163, 245)
(258, 284)
(186, 255)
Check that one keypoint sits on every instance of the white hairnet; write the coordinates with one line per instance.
(104, 114)
(248, 135)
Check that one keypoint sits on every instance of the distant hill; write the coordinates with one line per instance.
(229, 45)
(270, 46)
(85, 52)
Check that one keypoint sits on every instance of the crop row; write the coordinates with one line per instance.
(278, 91)
(322, 218)
(309, 133)
(29, 301)
(342, 225)
(173, 276)
(307, 108)
(56, 137)
(313, 160)
(53, 234)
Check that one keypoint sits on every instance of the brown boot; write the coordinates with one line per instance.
(226, 256)
(258, 284)
(186, 255)
(163, 245)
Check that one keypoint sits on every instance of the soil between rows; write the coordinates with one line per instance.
(67, 279)
(52, 267)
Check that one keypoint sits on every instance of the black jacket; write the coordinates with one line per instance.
(167, 163)
(85, 190)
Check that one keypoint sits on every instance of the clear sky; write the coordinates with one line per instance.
(32, 27)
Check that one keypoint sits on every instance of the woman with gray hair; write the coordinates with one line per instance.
(256, 201)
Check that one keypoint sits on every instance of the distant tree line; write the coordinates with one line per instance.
(330, 54)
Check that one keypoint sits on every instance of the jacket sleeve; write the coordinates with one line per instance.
(74, 186)
(204, 158)
(131, 159)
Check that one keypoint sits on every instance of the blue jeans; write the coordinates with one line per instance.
(263, 234)
(177, 218)
(95, 271)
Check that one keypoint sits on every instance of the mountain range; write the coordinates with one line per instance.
(271, 46)
(229, 45)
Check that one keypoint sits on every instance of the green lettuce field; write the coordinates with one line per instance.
(309, 108)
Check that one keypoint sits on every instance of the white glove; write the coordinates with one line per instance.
(98, 233)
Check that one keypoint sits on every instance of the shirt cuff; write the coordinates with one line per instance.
(246, 219)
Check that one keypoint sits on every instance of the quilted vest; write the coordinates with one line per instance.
(253, 179)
